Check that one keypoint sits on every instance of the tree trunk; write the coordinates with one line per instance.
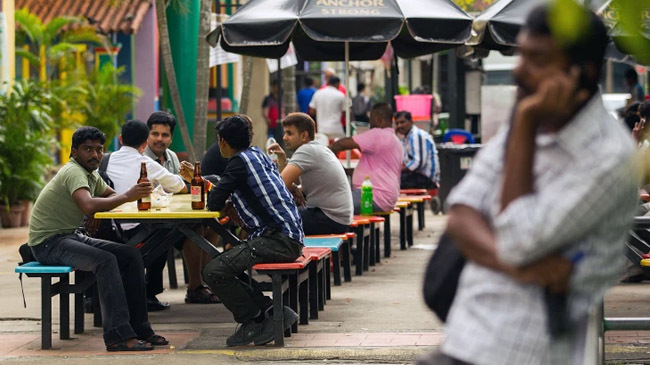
(202, 81)
(168, 62)
(289, 100)
(246, 85)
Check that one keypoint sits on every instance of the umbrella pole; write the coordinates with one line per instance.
(279, 122)
(348, 130)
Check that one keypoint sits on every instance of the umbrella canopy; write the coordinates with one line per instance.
(319, 29)
(497, 27)
(635, 40)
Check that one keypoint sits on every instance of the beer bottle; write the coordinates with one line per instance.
(144, 203)
(197, 188)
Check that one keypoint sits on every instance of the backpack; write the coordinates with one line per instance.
(102, 170)
(108, 229)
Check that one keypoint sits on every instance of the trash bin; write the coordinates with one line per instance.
(455, 160)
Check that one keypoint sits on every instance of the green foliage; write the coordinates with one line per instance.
(27, 136)
(631, 18)
(568, 21)
(108, 100)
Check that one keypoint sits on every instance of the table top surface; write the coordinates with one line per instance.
(180, 208)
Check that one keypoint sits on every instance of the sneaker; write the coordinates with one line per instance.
(245, 334)
(266, 333)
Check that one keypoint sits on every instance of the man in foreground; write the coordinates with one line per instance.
(381, 159)
(267, 211)
(78, 190)
(420, 168)
(324, 183)
(543, 213)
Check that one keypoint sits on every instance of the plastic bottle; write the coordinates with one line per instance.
(269, 142)
(366, 197)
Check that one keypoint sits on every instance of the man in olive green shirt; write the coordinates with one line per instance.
(78, 190)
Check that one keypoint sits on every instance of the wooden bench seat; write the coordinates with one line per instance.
(63, 288)
(290, 284)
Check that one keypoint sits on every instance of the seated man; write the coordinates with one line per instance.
(270, 216)
(381, 159)
(324, 183)
(161, 131)
(77, 189)
(420, 167)
(124, 169)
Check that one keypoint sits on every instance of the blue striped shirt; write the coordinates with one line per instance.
(259, 194)
(420, 154)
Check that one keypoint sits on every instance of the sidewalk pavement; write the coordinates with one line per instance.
(379, 317)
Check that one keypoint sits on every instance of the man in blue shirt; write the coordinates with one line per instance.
(305, 94)
(266, 210)
(420, 168)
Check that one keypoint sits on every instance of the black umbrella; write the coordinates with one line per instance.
(319, 29)
(337, 30)
(622, 37)
(497, 27)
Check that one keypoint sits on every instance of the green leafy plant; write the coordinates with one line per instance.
(108, 100)
(27, 136)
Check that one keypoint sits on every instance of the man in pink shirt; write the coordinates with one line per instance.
(381, 159)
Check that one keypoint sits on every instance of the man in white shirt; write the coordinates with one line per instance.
(326, 105)
(543, 213)
(124, 170)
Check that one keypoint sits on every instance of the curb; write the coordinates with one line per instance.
(392, 354)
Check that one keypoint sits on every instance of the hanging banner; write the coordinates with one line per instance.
(289, 59)
(217, 55)
(4, 53)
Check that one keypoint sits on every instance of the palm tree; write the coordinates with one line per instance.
(168, 63)
(202, 80)
(51, 43)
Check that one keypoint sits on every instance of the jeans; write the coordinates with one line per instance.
(119, 271)
(314, 221)
(356, 202)
(245, 301)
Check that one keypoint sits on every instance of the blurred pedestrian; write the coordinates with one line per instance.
(305, 94)
(543, 213)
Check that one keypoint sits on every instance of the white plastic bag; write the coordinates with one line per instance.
(160, 198)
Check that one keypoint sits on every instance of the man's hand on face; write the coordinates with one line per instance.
(556, 98)
(138, 191)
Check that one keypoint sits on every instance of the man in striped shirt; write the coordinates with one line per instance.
(266, 210)
(420, 168)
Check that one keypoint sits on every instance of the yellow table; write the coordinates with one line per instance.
(179, 217)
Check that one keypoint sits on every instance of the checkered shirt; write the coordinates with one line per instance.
(584, 197)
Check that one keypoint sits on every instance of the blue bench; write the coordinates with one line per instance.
(336, 243)
(83, 280)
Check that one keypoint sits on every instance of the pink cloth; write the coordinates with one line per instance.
(381, 159)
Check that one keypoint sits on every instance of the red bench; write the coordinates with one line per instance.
(319, 278)
(361, 226)
(289, 283)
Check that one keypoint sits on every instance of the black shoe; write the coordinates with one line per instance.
(245, 334)
(266, 333)
(155, 305)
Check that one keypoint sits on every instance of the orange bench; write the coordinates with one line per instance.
(319, 283)
(405, 223)
(361, 226)
(289, 283)
(419, 201)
